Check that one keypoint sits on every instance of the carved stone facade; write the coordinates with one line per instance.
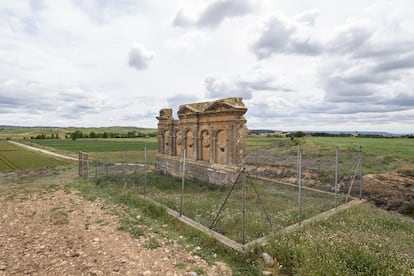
(211, 133)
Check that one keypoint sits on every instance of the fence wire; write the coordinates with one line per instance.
(256, 207)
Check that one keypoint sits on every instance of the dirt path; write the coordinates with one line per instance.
(43, 151)
(52, 233)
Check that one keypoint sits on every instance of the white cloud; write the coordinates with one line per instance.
(245, 85)
(279, 34)
(187, 41)
(307, 17)
(213, 13)
(139, 57)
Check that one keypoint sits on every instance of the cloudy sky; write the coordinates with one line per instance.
(298, 64)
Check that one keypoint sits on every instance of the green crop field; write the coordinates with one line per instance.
(13, 157)
(99, 145)
(106, 150)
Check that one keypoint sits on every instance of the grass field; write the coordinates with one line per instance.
(390, 147)
(363, 240)
(379, 154)
(13, 157)
(202, 201)
(106, 150)
(99, 145)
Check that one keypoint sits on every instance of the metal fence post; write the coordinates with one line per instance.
(300, 185)
(244, 201)
(182, 185)
(145, 170)
(360, 173)
(80, 163)
(106, 165)
(87, 165)
(257, 163)
(96, 165)
(336, 177)
(123, 162)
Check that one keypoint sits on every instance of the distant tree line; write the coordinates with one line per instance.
(79, 134)
(130, 134)
(299, 134)
(46, 136)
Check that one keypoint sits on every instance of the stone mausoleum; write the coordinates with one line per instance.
(212, 135)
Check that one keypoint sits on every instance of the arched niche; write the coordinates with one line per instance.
(221, 147)
(205, 145)
(189, 144)
(178, 142)
(166, 142)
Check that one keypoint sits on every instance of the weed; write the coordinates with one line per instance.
(198, 270)
(180, 265)
(152, 243)
(407, 172)
(154, 210)
(136, 231)
(58, 216)
(101, 222)
(360, 241)
(409, 210)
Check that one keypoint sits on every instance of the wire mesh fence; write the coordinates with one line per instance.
(270, 194)
(322, 167)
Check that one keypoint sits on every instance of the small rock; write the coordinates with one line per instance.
(268, 260)
(2, 267)
(76, 254)
(267, 273)
(192, 273)
(138, 217)
(146, 273)
(96, 239)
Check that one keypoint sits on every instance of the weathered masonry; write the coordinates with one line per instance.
(212, 134)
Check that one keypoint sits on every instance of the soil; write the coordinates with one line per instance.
(391, 191)
(52, 232)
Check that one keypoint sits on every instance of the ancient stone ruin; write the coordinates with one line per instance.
(212, 135)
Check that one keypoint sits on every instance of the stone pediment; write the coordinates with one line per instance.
(227, 104)
(231, 104)
(187, 109)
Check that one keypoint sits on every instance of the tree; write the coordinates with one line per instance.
(299, 134)
(75, 135)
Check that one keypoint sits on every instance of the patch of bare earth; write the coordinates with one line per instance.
(58, 233)
(391, 191)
